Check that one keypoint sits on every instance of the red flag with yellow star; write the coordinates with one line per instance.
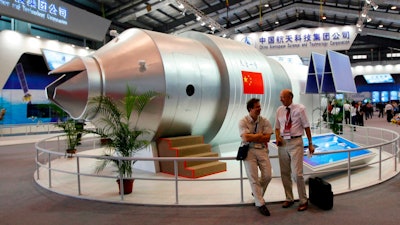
(252, 83)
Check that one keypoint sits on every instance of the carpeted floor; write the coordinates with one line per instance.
(23, 202)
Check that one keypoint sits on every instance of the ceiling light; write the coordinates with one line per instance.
(198, 18)
(393, 7)
(380, 25)
(374, 5)
(359, 29)
(184, 12)
(364, 14)
(368, 1)
(114, 33)
(277, 22)
(181, 6)
(203, 24)
(266, 5)
(369, 19)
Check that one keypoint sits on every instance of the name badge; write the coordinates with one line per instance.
(286, 135)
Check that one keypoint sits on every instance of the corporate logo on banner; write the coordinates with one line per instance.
(301, 41)
(41, 8)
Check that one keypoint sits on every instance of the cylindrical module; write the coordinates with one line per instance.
(206, 80)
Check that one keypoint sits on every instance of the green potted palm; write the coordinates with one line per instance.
(114, 120)
(336, 117)
(73, 135)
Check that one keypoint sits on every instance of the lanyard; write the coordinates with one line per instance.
(255, 129)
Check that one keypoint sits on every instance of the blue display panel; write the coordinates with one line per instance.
(339, 96)
(394, 95)
(23, 95)
(331, 142)
(384, 96)
(55, 59)
(315, 72)
(376, 96)
(366, 100)
(337, 75)
(378, 78)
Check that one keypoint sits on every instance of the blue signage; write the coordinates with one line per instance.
(40, 8)
(58, 15)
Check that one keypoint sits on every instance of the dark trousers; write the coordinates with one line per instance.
(389, 115)
(347, 116)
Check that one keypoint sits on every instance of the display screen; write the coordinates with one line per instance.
(55, 59)
(339, 96)
(379, 78)
(375, 96)
(384, 96)
(394, 95)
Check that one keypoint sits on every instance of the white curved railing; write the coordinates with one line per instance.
(386, 141)
(28, 129)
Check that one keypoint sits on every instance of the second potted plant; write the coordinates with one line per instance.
(73, 134)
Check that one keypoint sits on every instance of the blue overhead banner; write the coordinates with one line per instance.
(57, 15)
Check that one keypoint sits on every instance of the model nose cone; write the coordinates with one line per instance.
(71, 90)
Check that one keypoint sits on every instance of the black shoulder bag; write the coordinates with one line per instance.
(244, 149)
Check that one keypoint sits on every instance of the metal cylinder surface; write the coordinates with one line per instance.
(200, 74)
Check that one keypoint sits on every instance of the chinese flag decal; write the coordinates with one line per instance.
(252, 83)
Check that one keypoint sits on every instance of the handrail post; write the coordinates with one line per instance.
(121, 180)
(58, 143)
(78, 175)
(176, 181)
(49, 170)
(380, 162)
(348, 169)
(37, 164)
(396, 154)
(241, 182)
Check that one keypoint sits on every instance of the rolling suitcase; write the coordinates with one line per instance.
(320, 193)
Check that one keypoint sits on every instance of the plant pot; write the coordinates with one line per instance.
(105, 141)
(128, 185)
(70, 152)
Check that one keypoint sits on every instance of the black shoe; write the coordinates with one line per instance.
(264, 210)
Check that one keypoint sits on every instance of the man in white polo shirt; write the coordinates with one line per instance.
(290, 123)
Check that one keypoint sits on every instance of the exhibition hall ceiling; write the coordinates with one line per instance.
(379, 20)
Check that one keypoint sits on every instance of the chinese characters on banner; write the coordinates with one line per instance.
(301, 41)
(43, 9)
